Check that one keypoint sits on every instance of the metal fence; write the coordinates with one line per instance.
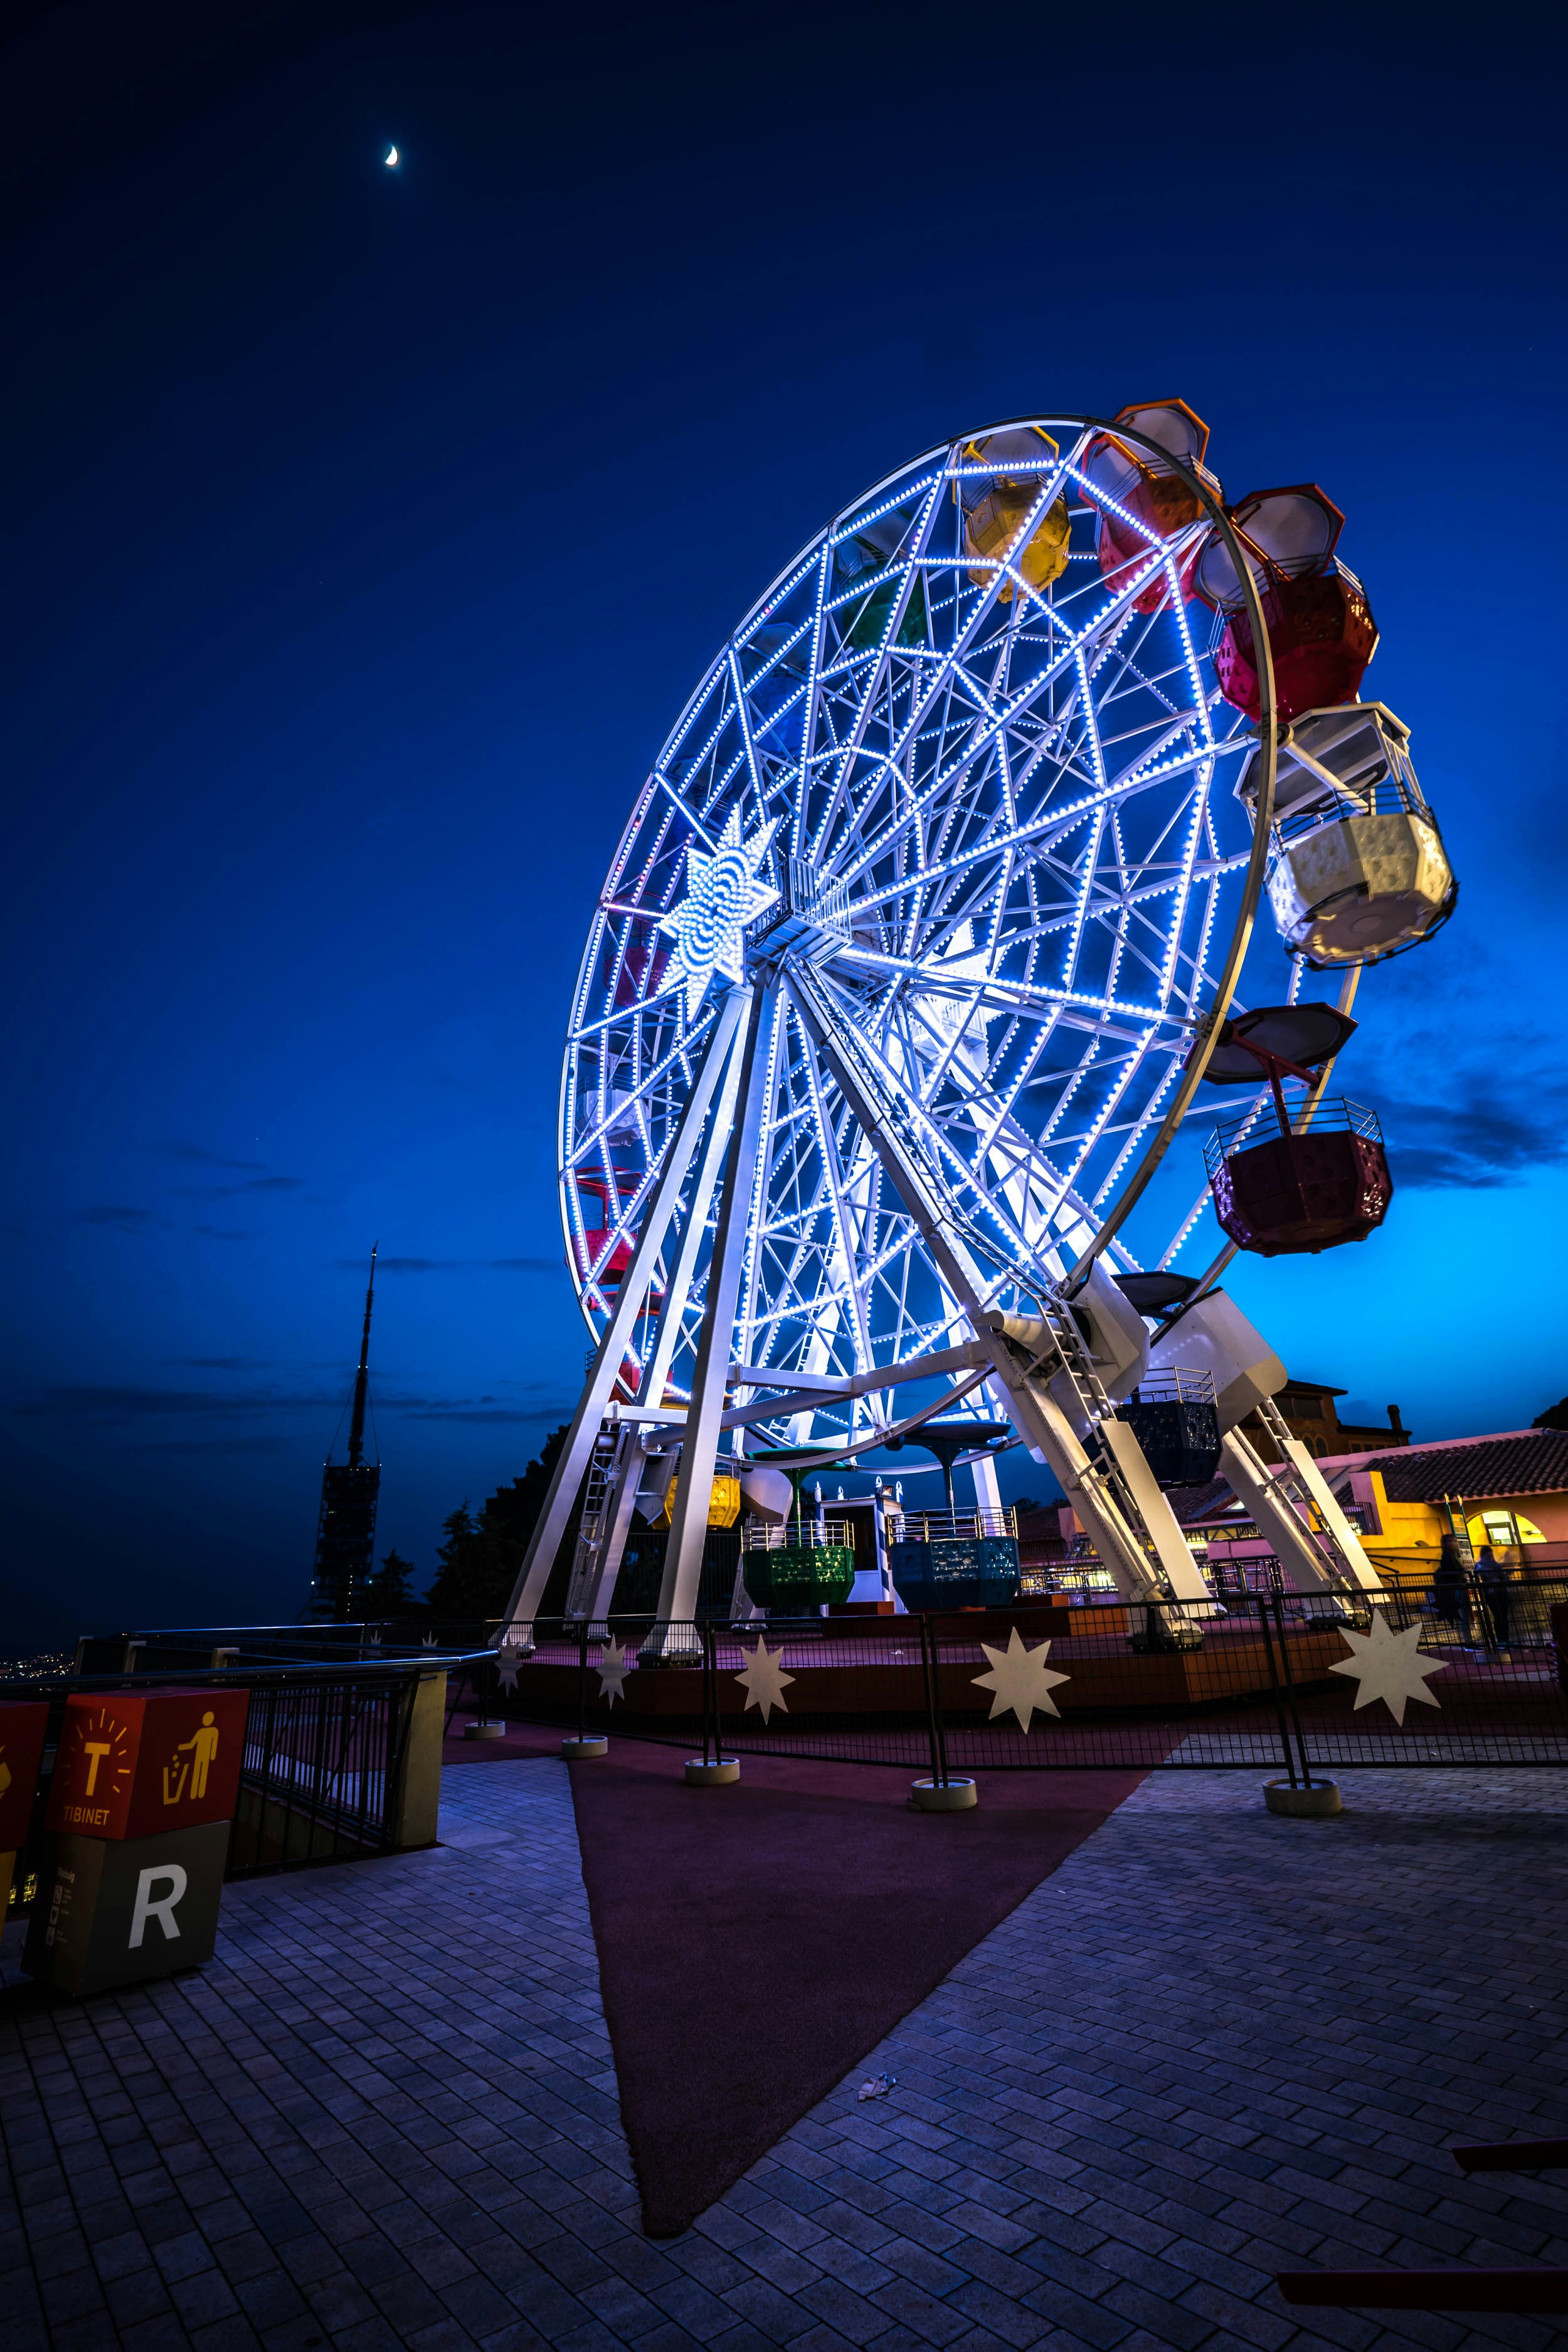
(1290, 1682)
(326, 1745)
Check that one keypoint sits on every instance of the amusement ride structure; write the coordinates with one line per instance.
(924, 936)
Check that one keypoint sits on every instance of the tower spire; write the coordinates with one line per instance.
(362, 1378)
(346, 1531)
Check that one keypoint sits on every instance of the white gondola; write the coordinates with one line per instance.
(1358, 870)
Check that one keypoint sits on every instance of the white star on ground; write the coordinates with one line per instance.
(612, 1670)
(765, 1680)
(722, 895)
(506, 1669)
(1020, 1678)
(1388, 1666)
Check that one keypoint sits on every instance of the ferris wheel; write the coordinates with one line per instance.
(920, 935)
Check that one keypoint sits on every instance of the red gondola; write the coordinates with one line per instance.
(1321, 628)
(598, 1209)
(1149, 494)
(1322, 1179)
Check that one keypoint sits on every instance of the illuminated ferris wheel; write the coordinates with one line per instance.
(910, 956)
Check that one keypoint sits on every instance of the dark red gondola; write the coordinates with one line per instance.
(1323, 1178)
(1295, 1194)
(1320, 629)
(598, 1209)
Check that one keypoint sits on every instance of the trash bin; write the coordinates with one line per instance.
(141, 1808)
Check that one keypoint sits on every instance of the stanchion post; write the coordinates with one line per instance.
(1279, 1601)
(934, 1705)
(582, 1680)
(1276, 1688)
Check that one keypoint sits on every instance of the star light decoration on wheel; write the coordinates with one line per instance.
(612, 1669)
(723, 894)
(764, 1679)
(507, 1658)
(1388, 1666)
(1021, 1680)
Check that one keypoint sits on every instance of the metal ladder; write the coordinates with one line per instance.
(594, 1529)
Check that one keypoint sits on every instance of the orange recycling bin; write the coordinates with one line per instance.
(144, 1790)
(132, 1764)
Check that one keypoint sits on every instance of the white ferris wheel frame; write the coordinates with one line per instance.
(829, 1103)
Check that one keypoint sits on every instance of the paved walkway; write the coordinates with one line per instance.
(1211, 2045)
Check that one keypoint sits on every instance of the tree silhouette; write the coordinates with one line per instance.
(482, 1556)
(1555, 1417)
(390, 1589)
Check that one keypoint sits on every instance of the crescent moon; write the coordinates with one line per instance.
(391, 156)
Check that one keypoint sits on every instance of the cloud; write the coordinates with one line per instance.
(110, 1402)
(252, 1184)
(1476, 1138)
(221, 1233)
(205, 1158)
(454, 1264)
(119, 1219)
(404, 1265)
(484, 1414)
(266, 1442)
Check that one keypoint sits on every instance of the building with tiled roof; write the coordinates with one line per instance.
(1509, 1490)
(1522, 1462)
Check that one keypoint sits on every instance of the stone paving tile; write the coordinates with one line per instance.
(1212, 2044)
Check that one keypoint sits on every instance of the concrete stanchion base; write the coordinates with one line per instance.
(712, 1776)
(955, 1796)
(484, 1731)
(1319, 1802)
(594, 1744)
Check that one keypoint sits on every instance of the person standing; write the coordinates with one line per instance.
(1492, 1576)
(1450, 1593)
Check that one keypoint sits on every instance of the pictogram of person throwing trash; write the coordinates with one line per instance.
(203, 1744)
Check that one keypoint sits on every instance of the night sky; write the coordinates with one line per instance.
(367, 531)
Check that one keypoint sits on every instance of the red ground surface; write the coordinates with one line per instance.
(756, 1941)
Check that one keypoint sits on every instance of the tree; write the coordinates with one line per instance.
(482, 1557)
(1555, 1417)
(470, 1580)
(389, 1592)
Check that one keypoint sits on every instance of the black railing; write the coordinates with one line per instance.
(1254, 1682)
(326, 1741)
(1333, 1115)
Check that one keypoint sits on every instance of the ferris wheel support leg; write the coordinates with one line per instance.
(1271, 1508)
(1183, 1574)
(618, 1519)
(1326, 1503)
(693, 1227)
(671, 1637)
(528, 1591)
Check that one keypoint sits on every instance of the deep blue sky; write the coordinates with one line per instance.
(368, 530)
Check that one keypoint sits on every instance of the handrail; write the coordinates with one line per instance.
(336, 1669)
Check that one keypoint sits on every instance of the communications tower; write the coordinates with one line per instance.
(345, 1529)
